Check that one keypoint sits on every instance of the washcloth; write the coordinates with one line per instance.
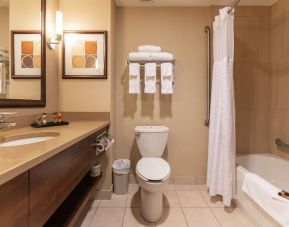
(167, 78)
(163, 56)
(134, 78)
(139, 56)
(150, 77)
(262, 192)
(149, 49)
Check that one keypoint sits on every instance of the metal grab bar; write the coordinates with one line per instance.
(280, 143)
(207, 120)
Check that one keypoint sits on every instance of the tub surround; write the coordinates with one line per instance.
(18, 159)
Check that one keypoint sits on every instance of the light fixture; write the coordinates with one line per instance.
(58, 31)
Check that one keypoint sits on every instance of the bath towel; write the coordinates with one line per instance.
(163, 56)
(134, 78)
(263, 193)
(150, 77)
(139, 56)
(149, 49)
(166, 78)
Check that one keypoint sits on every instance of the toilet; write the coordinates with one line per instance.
(152, 171)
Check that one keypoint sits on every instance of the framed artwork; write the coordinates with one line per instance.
(26, 54)
(84, 55)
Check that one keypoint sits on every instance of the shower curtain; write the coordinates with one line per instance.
(222, 142)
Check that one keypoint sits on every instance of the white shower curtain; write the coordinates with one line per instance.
(222, 142)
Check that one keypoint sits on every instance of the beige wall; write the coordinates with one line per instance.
(181, 32)
(4, 27)
(252, 78)
(280, 75)
(51, 71)
(87, 95)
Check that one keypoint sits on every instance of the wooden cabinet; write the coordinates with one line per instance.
(14, 202)
(53, 180)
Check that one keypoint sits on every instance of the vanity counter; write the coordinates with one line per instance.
(18, 159)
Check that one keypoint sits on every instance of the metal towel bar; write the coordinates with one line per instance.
(280, 143)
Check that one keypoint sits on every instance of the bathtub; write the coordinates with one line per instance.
(271, 168)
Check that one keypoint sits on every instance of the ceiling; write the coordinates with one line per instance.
(4, 3)
(168, 3)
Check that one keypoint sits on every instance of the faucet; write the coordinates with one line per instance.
(5, 124)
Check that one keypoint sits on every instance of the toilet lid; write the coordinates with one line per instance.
(154, 169)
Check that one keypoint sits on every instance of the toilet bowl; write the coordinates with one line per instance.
(152, 172)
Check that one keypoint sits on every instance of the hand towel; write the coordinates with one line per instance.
(138, 56)
(166, 78)
(134, 78)
(149, 49)
(163, 56)
(150, 77)
(262, 192)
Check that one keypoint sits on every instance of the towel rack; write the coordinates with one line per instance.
(280, 143)
(143, 62)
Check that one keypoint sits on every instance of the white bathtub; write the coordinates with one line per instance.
(271, 168)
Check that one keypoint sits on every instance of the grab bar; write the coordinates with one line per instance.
(280, 143)
(207, 120)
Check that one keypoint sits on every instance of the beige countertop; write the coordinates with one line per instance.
(18, 159)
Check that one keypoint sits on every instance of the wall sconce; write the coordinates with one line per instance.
(52, 42)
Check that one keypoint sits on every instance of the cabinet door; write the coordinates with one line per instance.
(53, 180)
(14, 202)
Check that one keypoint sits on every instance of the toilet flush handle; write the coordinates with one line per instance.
(137, 134)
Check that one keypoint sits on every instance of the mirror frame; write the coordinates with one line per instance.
(24, 103)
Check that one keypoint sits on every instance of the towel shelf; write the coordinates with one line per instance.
(143, 62)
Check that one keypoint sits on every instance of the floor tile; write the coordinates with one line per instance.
(86, 217)
(108, 217)
(231, 217)
(95, 203)
(200, 217)
(202, 187)
(172, 217)
(191, 199)
(116, 201)
(213, 201)
(134, 196)
(133, 218)
(184, 187)
(169, 187)
(170, 199)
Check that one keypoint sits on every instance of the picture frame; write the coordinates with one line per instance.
(84, 55)
(26, 54)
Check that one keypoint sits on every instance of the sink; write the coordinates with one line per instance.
(24, 139)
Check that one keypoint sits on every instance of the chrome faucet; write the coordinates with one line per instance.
(6, 124)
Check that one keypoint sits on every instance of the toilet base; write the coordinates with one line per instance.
(151, 205)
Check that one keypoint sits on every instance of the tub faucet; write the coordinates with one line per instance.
(6, 124)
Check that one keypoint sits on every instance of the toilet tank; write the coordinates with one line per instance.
(151, 140)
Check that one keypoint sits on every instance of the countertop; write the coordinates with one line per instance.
(18, 159)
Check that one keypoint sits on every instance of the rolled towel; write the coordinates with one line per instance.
(138, 56)
(150, 78)
(163, 56)
(149, 49)
(134, 78)
(167, 78)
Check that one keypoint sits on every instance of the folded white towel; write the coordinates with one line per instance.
(150, 49)
(150, 77)
(134, 78)
(139, 56)
(262, 192)
(163, 56)
(167, 78)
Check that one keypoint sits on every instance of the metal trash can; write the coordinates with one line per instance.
(120, 169)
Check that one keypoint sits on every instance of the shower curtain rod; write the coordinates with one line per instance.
(233, 6)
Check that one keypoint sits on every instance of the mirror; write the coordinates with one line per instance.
(22, 53)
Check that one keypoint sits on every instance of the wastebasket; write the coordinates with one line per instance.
(120, 169)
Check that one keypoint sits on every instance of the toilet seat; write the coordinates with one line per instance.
(153, 169)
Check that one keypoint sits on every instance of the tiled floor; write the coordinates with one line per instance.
(185, 206)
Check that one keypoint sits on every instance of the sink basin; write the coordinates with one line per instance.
(29, 138)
